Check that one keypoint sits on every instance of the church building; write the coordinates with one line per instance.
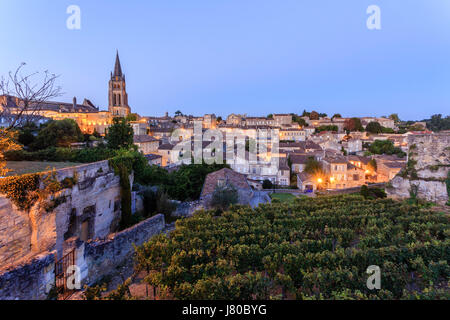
(88, 117)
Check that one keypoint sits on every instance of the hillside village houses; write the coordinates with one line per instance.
(340, 154)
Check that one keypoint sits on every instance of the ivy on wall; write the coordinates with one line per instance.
(25, 190)
(123, 166)
(447, 182)
(19, 189)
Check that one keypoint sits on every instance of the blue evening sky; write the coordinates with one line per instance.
(242, 56)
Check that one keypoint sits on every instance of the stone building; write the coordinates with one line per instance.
(226, 177)
(88, 117)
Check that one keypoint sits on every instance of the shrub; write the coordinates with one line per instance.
(224, 197)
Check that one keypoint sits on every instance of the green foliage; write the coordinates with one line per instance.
(385, 147)
(327, 128)
(394, 117)
(308, 249)
(58, 134)
(438, 123)
(372, 193)
(183, 184)
(373, 166)
(299, 120)
(124, 163)
(120, 134)
(157, 201)
(387, 130)
(132, 117)
(313, 167)
(447, 182)
(374, 127)
(224, 196)
(87, 155)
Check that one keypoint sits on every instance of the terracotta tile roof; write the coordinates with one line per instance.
(239, 181)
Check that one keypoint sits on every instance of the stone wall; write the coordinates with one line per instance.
(15, 233)
(90, 209)
(97, 259)
(32, 279)
(429, 157)
(187, 209)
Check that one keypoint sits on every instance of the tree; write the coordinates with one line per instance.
(437, 123)
(314, 115)
(120, 134)
(327, 128)
(299, 120)
(21, 97)
(416, 127)
(374, 127)
(313, 167)
(132, 117)
(178, 113)
(58, 133)
(336, 115)
(224, 196)
(385, 147)
(394, 117)
(372, 165)
(353, 124)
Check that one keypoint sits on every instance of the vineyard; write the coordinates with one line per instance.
(306, 249)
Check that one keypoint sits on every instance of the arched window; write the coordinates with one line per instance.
(114, 99)
(119, 104)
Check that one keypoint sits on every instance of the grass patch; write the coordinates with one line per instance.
(283, 197)
(25, 167)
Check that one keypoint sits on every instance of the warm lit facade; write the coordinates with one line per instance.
(88, 117)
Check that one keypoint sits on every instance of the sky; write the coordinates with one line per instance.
(253, 57)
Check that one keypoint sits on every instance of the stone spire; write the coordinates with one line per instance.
(117, 68)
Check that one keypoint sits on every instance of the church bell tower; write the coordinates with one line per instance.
(118, 97)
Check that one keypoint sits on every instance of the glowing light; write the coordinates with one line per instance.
(367, 171)
(332, 179)
(320, 180)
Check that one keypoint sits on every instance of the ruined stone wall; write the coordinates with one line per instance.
(32, 279)
(97, 259)
(429, 164)
(91, 208)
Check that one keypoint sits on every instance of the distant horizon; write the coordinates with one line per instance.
(253, 57)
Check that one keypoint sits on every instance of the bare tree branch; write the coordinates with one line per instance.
(27, 94)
